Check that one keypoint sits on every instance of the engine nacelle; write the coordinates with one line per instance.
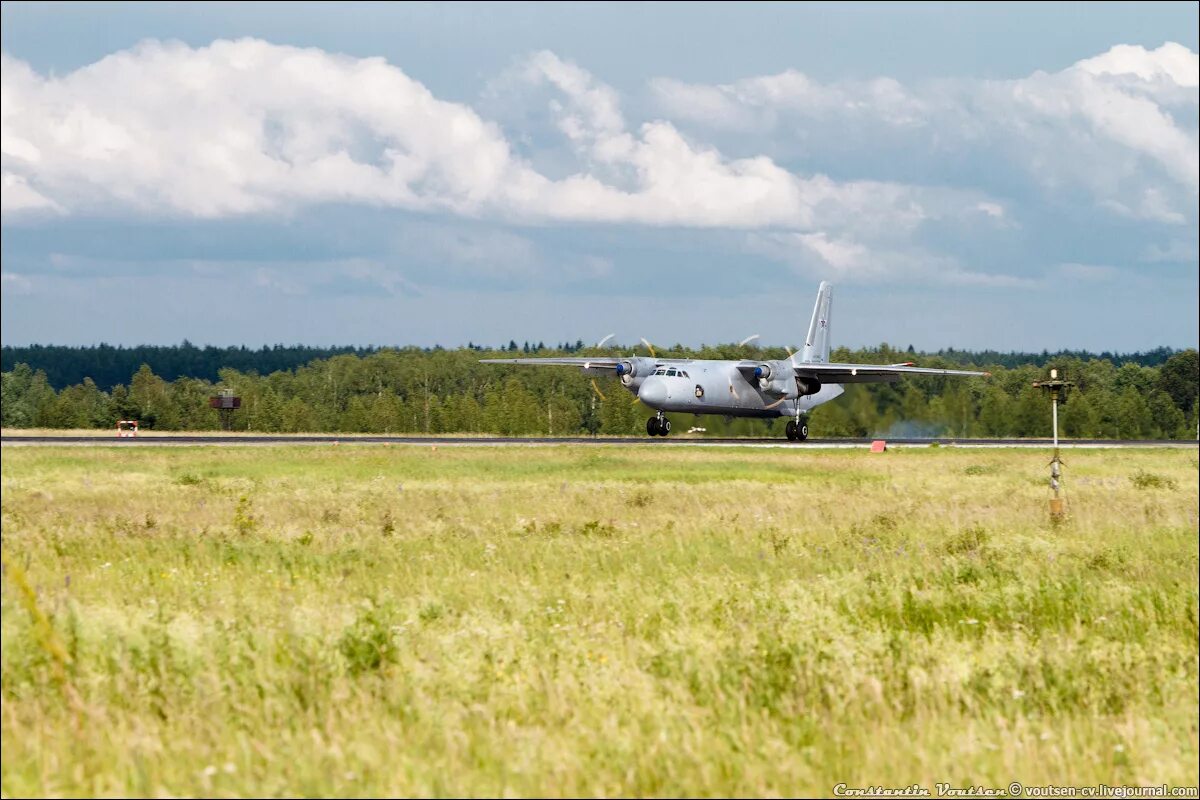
(807, 385)
(774, 377)
(632, 371)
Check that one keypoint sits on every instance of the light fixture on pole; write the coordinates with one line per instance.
(1057, 387)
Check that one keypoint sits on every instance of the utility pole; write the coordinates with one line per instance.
(1057, 387)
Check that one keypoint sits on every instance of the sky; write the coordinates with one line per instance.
(1009, 177)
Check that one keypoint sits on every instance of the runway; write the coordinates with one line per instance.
(218, 440)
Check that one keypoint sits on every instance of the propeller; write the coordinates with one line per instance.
(748, 340)
(628, 368)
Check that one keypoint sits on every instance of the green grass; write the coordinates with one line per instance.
(593, 621)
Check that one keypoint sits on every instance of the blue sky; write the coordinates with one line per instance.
(1009, 177)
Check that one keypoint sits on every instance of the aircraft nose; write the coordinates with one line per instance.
(653, 392)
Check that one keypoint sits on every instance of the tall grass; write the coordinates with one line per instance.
(592, 621)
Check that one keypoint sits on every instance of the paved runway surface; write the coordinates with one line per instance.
(500, 441)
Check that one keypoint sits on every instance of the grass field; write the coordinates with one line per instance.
(593, 621)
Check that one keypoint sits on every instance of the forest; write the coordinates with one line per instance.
(434, 390)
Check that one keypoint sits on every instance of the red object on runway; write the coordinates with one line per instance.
(879, 446)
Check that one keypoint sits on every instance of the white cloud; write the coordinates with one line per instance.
(758, 101)
(1122, 125)
(1172, 62)
(1087, 272)
(14, 283)
(822, 257)
(17, 195)
(244, 127)
(841, 256)
(248, 127)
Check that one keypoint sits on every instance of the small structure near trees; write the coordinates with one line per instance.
(225, 403)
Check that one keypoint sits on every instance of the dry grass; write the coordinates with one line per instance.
(593, 621)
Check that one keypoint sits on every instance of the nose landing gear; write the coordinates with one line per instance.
(797, 429)
(658, 425)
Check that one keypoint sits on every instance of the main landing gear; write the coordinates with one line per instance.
(797, 429)
(658, 425)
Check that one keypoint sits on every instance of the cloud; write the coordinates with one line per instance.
(15, 283)
(1087, 272)
(762, 100)
(1172, 62)
(251, 129)
(243, 127)
(247, 127)
(1121, 126)
(17, 196)
(820, 257)
(1176, 251)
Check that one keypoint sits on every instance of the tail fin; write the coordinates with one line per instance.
(816, 344)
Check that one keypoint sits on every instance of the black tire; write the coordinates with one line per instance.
(790, 430)
(665, 428)
(652, 426)
(802, 430)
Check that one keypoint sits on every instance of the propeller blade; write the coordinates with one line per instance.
(596, 389)
(777, 402)
(605, 339)
(650, 347)
(748, 340)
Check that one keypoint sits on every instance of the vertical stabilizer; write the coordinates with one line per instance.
(816, 344)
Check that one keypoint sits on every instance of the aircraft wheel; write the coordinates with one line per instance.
(790, 430)
(652, 426)
(802, 430)
(665, 428)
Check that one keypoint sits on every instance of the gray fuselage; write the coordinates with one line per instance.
(719, 387)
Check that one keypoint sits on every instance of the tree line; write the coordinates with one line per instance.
(414, 390)
(108, 366)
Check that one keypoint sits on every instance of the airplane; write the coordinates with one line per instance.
(789, 387)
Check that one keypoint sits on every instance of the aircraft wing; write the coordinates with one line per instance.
(585, 363)
(873, 373)
(600, 362)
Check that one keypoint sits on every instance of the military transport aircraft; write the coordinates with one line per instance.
(763, 389)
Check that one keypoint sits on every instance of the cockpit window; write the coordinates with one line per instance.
(671, 373)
